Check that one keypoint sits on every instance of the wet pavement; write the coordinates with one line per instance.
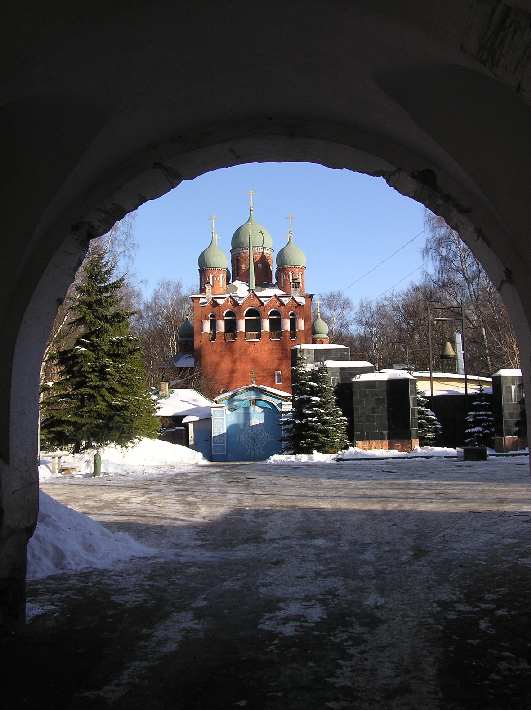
(368, 585)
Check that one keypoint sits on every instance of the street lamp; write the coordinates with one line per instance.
(446, 353)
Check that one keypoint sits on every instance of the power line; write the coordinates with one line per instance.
(391, 288)
(383, 261)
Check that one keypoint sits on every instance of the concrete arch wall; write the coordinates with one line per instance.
(344, 85)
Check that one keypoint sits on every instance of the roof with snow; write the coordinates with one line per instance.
(383, 375)
(183, 360)
(270, 390)
(318, 346)
(453, 376)
(184, 402)
(239, 290)
(509, 372)
(348, 363)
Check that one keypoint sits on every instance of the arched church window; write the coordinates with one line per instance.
(292, 326)
(230, 325)
(212, 321)
(275, 325)
(253, 325)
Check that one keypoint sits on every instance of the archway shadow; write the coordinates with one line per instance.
(290, 608)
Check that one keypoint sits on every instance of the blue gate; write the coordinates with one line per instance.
(253, 429)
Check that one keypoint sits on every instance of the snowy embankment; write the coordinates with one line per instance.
(67, 541)
(354, 453)
(135, 460)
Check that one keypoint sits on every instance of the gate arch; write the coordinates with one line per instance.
(96, 154)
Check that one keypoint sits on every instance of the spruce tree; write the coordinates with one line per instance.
(479, 422)
(332, 423)
(428, 426)
(304, 430)
(100, 396)
(317, 421)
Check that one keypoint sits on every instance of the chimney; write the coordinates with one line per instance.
(164, 389)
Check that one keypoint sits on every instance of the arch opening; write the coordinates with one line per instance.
(230, 325)
(275, 325)
(292, 326)
(253, 324)
(213, 326)
(469, 214)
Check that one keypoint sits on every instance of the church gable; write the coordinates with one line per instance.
(293, 304)
(251, 301)
(274, 302)
(229, 303)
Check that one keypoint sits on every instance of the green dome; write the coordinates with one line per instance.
(212, 257)
(291, 254)
(186, 330)
(260, 237)
(319, 327)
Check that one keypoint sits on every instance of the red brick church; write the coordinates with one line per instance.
(244, 327)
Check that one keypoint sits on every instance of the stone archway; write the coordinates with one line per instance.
(433, 99)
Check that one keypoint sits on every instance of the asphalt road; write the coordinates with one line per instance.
(367, 585)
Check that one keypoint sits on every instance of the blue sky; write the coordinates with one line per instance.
(345, 223)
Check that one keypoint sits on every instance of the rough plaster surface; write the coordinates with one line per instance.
(432, 96)
(368, 585)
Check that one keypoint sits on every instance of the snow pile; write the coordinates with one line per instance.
(150, 452)
(66, 541)
(45, 469)
(354, 453)
(140, 457)
(316, 457)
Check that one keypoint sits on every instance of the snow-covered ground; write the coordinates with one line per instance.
(66, 540)
(361, 574)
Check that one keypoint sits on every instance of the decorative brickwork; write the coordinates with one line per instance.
(263, 265)
(291, 279)
(214, 278)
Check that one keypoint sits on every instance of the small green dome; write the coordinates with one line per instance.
(212, 257)
(291, 254)
(260, 237)
(186, 330)
(319, 327)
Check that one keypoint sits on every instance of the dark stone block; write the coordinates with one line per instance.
(475, 453)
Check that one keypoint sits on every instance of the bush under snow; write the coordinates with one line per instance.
(67, 541)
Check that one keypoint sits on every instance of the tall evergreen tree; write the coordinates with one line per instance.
(332, 423)
(100, 396)
(317, 421)
(304, 430)
(428, 426)
(479, 430)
